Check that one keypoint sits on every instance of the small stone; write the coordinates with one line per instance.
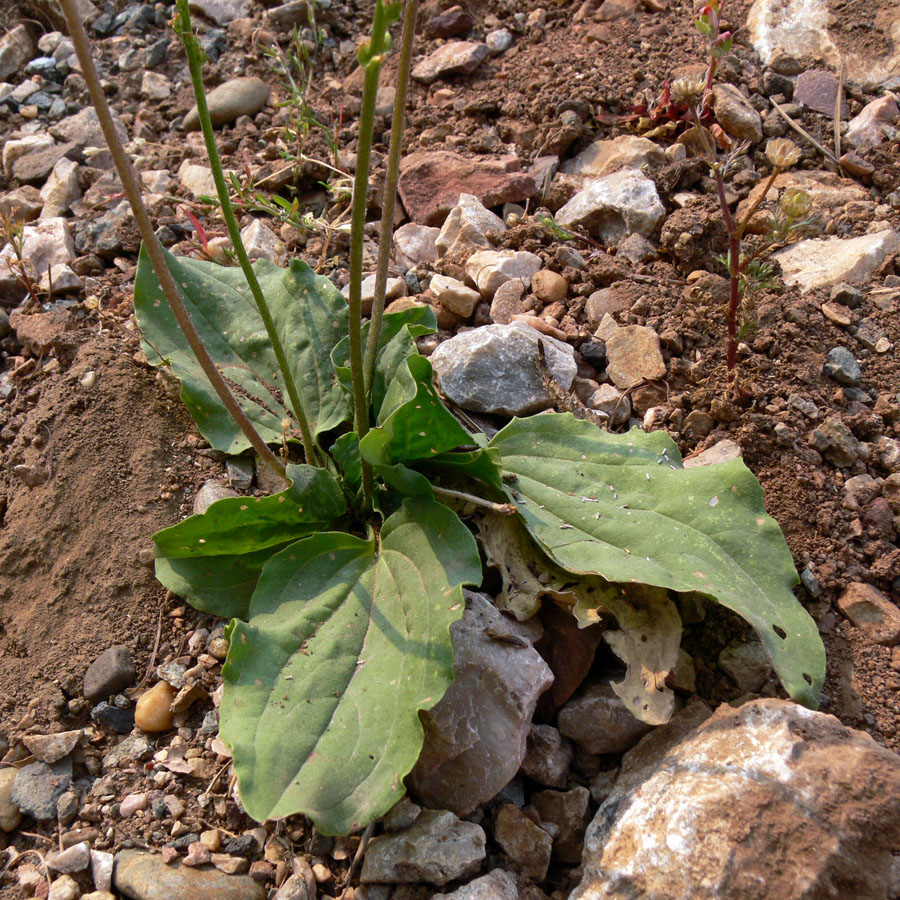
(131, 804)
(549, 286)
(873, 613)
(868, 128)
(836, 313)
(146, 876)
(614, 206)
(74, 859)
(17, 47)
(491, 268)
(401, 815)
(236, 97)
(605, 157)
(496, 885)
(50, 748)
(209, 493)
(467, 227)
(198, 854)
(64, 888)
(599, 722)
(449, 24)
(109, 674)
(438, 848)
(454, 296)
(834, 440)
(220, 11)
(61, 189)
(240, 472)
(38, 786)
(747, 664)
(846, 295)
(24, 204)
(98, 895)
(633, 355)
(155, 86)
(498, 41)
(102, 869)
(133, 748)
(153, 712)
(842, 366)
(525, 843)
(197, 180)
(415, 245)
(10, 816)
(230, 865)
(454, 58)
(568, 811)
(261, 242)
(548, 756)
(507, 302)
(736, 114)
(818, 89)
(109, 716)
(697, 425)
(612, 403)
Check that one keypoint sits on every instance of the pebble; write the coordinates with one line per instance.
(50, 748)
(415, 245)
(38, 786)
(872, 612)
(64, 888)
(102, 869)
(818, 89)
(524, 842)
(842, 366)
(867, 128)
(10, 815)
(209, 493)
(568, 811)
(633, 355)
(132, 803)
(153, 712)
(491, 268)
(454, 296)
(549, 287)
(612, 403)
(834, 440)
(547, 757)
(198, 854)
(736, 114)
(146, 876)
(74, 859)
(498, 41)
(467, 226)
(599, 722)
(454, 58)
(111, 672)
(119, 720)
(601, 158)
(437, 849)
(747, 665)
(236, 97)
(507, 302)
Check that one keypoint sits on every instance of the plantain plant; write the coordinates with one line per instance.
(342, 587)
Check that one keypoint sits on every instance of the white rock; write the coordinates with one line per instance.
(220, 11)
(454, 296)
(453, 58)
(261, 242)
(466, 227)
(498, 41)
(102, 869)
(393, 290)
(196, 179)
(157, 181)
(866, 129)
(491, 268)
(17, 47)
(45, 244)
(73, 859)
(615, 206)
(14, 148)
(61, 189)
(64, 888)
(415, 245)
(605, 157)
(155, 86)
(633, 355)
(723, 451)
(60, 279)
(825, 262)
(493, 369)
(615, 405)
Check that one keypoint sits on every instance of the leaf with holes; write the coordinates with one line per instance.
(310, 317)
(214, 559)
(623, 507)
(347, 639)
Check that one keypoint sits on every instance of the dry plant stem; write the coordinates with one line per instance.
(195, 63)
(390, 188)
(154, 251)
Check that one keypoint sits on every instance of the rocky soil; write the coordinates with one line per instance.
(539, 199)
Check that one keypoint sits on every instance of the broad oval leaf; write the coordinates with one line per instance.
(346, 641)
(622, 507)
(310, 317)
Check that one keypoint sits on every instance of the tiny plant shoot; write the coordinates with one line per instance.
(341, 588)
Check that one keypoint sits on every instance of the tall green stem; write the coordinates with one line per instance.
(371, 58)
(195, 57)
(390, 188)
(151, 244)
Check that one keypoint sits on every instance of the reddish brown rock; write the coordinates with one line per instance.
(870, 611)
(431, 182)
(818, 89)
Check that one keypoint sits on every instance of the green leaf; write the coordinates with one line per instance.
(345, 643)
(462, 465)
(310, 317)
(622, 507)
(413, 423)
(214, 559)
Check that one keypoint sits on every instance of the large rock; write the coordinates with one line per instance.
(431, 183)
(237, 97)
(493, 369)
(628, 151)
(83, 129)
(438, 848)
(144, 876)
(791, 35)
(454, 58)
(44, 245)
(766, 802)
(615, 206)
(475, 737)
(38, 786)
(822, 263)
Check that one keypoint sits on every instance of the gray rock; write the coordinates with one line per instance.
(220, 11)
(16, 48)
(599, 722)
(438, 848)
(83, 129)
(736, 114)
(842, 366)
(110, 673)
(493, 369)
(237, 97)
(144, 876)
(401, 815)
(615, 206)
(496, 885)
(548, 756)
(415, 245)
(498, 41)
(240, 472)
(747, 665)
(475, 737)
(454, 58)
(33, 168)
(818, 89)
(567, 811)
(767, 800)
(834, 440)
(209, 493)
(132, 749)
(38, 786)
